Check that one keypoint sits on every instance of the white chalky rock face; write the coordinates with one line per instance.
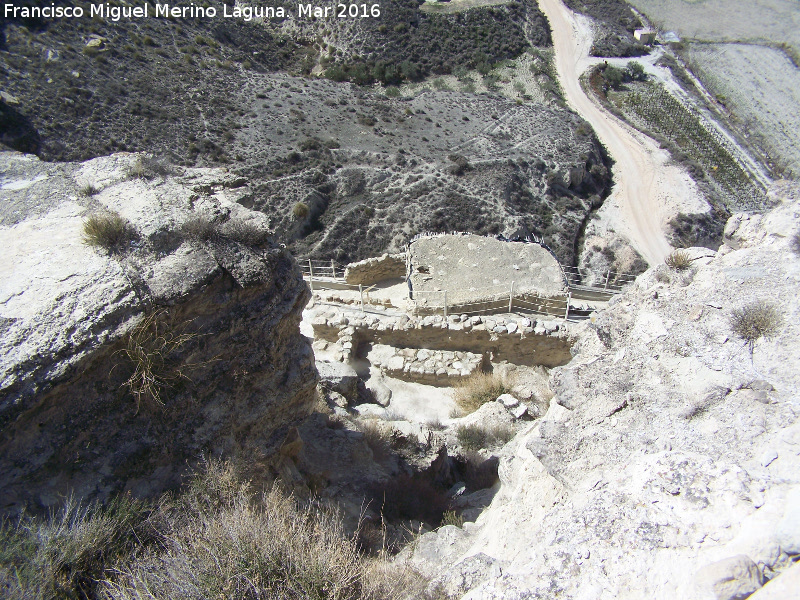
(668, 463)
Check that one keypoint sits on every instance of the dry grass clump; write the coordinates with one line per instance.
(477, 390)
(679, 260)
(146, 167)
(151, 349)
(756, 320)
(245, 232)
(475, 437)
(65, 555)
(378, 437)
(219, 539)
(199, 229)
(107, 230)
(88, 190)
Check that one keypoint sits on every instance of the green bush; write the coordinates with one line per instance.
(107, 230)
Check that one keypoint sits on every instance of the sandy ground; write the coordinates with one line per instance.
(648, 190)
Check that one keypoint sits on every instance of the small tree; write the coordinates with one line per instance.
(635, 71)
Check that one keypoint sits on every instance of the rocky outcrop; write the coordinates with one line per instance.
(373, 270)
(668, 463)
(118, 369)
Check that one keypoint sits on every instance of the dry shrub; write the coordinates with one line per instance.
(107, 230)
(219, 539)
(245, 232)
(379, 439)
(64, 555)
(151, 348)
(147, 167)
(756, 320)
(678, 260)
(88, 190)
(223, 540)
(451, 517)
(199, 229)
(478, 389)
(472, 437)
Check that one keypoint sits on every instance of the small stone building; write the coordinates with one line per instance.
(645, 36)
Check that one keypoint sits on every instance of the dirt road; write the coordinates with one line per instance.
(645, 187)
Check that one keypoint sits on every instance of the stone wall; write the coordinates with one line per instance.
(518, 340)
(373, 270)
(431, 367)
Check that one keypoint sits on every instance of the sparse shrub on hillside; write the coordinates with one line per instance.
(219, 538)
(756, 320)
(88, 190)
(107, 230)
(199, 229)
(451, 517)
(300, 211)
(147, 167)
(479, 389)
(378, 437)
(678, 260)
(476, 437)
(65, 555)
(245, 232)
(472, 437)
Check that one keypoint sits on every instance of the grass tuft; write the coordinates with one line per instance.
(475, 437)
(107, 230)
(678, 260)
(199, 229)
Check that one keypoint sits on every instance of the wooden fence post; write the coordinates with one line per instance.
(310, 276)
(511, 297)
(445, 304)
(608, 274)
(566, 313)
(361, 292)
(333, 269)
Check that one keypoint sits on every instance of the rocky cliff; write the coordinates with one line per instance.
(122, 365)
(668, 463)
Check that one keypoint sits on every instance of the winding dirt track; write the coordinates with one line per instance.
(642, 184)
